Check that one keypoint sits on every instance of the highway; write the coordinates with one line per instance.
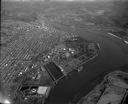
(113, 54)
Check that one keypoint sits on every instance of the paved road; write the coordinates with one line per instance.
(113, 54)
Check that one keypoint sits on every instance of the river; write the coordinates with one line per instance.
(113, 54)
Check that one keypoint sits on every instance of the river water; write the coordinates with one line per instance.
(113, 54)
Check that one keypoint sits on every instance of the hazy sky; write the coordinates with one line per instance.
(59, 0)
(64, 0)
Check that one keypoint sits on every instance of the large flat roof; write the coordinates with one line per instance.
(54, 70)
